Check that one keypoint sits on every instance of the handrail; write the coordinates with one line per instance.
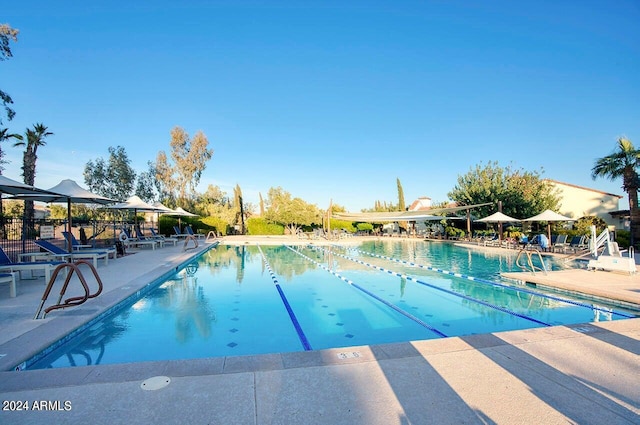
(186, 242)
(597, 242)
(72, 301)
(212, 234)
(530, 261)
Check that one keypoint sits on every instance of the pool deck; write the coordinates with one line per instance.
(586, 373)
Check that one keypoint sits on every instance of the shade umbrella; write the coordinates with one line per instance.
(13, 187)
(67, 191)
(549, 216)
(135, 204)
(182, 213)
(162, 209)
(498, 217)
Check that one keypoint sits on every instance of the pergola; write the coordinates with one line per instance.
(395, 216)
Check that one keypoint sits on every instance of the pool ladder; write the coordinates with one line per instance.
(70, 269)
(531, 267)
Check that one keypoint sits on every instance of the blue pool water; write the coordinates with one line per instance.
(238, 300)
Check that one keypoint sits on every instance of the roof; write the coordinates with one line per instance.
(583, 188)
(377, 217)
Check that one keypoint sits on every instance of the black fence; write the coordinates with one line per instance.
(17, 235)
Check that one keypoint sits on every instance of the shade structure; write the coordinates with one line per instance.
(67, 191)
(180, 212)
(498, 217)
(162, 209)
(549, 216)
(135, 204)
(13, 187)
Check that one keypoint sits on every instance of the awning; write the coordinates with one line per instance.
(427, 215)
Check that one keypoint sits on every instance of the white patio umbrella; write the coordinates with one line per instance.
(549, 216)
(67, 191)
(13, 187)
(179, 212)
(498, 217)
(135, 204)
(162, 209)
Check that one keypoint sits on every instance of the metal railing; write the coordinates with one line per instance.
(17, 235)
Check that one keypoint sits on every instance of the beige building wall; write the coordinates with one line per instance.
(577, 201)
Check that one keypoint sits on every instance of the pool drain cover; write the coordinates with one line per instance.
(155, 383)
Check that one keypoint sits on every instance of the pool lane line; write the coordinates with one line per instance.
(385, 302)
(292, 316)
(456, 294)
(492, 283)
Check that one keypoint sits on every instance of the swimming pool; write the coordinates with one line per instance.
(239, 300)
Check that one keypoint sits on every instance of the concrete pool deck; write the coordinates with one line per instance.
(586, 373)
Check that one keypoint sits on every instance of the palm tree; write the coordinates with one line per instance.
(34, 139)
(5, 135)
(623, 163)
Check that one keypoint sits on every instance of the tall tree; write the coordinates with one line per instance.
(290, 212)
(35, 138)
(7, 34)
(147, 187)
(189, 157)
(261, 204)
(623, 163)
(401, 204)
(5, 136)
(114, 178)
(239, 208)
(523, 193)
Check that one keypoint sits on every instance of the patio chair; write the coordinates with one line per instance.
(7, 265)
(578, 244)
(559, 244)
(57, 252)
(78, 247)
(128, 241)
(141, 236)
(11, 279)
(162, 238)
(190, 232)
(178, 233)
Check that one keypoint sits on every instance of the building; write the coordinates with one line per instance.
(577, 201)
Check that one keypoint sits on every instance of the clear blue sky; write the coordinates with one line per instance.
(329, 99)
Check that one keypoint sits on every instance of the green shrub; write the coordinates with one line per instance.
(342, 224)
(623, 237)
(364, 227)
(260, 226)
(217, 224)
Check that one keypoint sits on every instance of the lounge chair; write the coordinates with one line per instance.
(78, 247)
(178, 233)
(128, 241)
(578, 243)
(7, 265)
(162, 238)
(190, 232)
(58, 252)
(141, 236)
(11, 279)
(559, 244)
